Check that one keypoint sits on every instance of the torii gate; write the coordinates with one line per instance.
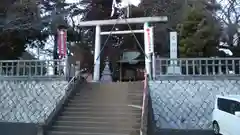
(99, 23)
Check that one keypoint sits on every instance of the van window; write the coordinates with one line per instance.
(235, 106)
(223, 104)
(238, 107)
(227, 105)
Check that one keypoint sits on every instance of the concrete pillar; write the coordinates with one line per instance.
(96, 73)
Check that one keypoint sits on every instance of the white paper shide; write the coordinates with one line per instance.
(124, 4)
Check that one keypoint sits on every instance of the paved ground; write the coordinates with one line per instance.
(183, 132)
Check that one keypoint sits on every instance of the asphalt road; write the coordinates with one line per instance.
(183, 132)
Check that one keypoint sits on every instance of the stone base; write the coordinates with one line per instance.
(93, 81)
(106, 78)
(174, 70)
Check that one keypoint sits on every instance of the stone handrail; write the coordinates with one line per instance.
(197, 67)
(34, 68)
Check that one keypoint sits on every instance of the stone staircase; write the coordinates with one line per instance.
(101, 109)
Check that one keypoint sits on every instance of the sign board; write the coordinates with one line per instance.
(173, 45)
(173, 68)
(62, 43)
(150, 46)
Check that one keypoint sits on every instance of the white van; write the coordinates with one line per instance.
(226, 115)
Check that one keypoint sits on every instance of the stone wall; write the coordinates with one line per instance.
(187, 104)
(29, 101)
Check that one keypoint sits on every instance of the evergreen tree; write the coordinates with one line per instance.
(199, 34)
(19, 26)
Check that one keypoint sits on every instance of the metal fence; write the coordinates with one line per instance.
(34, 68)
(197, 67)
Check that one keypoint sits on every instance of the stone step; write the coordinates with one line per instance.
(95, 129)
(111, 89)
(106, 109)
(107, 118)
(100, 114)
(102, 109)
(97, 84)
(109, 95)
(96, 95)
(100, 91)
(114, 88)
(81, 133)
(100, 94)
(99, 124)
(106, 105)
(106, 102)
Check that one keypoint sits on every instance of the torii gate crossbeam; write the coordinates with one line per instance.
(98, 33)
(124, 21)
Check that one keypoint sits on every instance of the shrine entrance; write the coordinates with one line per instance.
(148, 42)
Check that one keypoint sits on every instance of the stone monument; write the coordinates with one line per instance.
(173, 68)
(106, 74)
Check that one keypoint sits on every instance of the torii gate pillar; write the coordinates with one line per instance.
(96, 73)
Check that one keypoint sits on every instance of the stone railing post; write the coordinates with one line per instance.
(77, 67)
(40, 130)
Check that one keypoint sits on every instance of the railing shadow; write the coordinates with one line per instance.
(151, 124)
(148, 125)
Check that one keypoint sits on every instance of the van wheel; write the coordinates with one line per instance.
(216, 128)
